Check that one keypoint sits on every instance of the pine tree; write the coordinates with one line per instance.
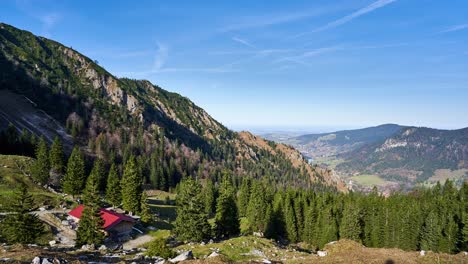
(243, 197)
(350, 226)
(74, 179)
(20, 226)
(290, 217)
(328, 230)
(56, 156)
(431, 232)
(131, 186)
(310, 225)
(41, 167)
(145, 213)
(256, 209)
(227, 216)
(192, 221)
(90, 226)
(210, 198)
(113, 189)
(100, 173)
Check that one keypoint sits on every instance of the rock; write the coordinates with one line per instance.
(422, 253)
(42, 209)
(4, 259)
(211, 241)
(258, 234)
(47, 261)
(88, 247)
(184, 256)
(322, 253)
(103, 248)
(152, 228)
(213, 255)
(36, 260)
(202, 243)
(52, 243)
(266, 261)
(256, 252)
(331, 243)
(159, 260)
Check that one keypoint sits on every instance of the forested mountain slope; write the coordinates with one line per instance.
(413, 154)
(327, 144)
(112, 117)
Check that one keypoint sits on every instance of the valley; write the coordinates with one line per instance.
(96, 168)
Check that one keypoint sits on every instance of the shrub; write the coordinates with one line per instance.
(159, 248)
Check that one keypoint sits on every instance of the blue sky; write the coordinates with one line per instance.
(295, 64)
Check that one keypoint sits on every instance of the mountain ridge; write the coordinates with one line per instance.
(104, 113)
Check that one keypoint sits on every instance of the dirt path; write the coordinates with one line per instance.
(135, 243)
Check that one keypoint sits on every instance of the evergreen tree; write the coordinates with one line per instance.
(145, 213)
(310, 225)
(99, 171)
(90, 226)
(431, 232)
(131, 186)
(192, 221)
(20, 226)
(290, 217)
(350, 226)
(41, 167)
(56, 156)
(256, 210)
(243, 197)
(113, 189)
(227, 216)
(74, 179)
(210, 198)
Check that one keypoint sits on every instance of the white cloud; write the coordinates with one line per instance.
(375, 5)
(269, 20)
(455, 28)
(243, 41)
(300, 59)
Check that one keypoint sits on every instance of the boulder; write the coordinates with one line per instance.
(103, 248)
(47, 261)
(258, 234)
(52, 243)
(266, 261)
(322, 253)
(159, 261)
(422, 253)
(256, 252)
(88, 247)
(183, 256)
(36, 260)
(213, 255)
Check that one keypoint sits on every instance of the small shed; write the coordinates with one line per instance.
(115, 224)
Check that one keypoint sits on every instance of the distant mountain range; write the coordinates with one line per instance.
(390, 154)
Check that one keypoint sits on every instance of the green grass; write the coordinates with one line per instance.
(15, 170)
(368, 180)
(331, 161)
(166, 212)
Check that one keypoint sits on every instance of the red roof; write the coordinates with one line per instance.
(110, 218)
